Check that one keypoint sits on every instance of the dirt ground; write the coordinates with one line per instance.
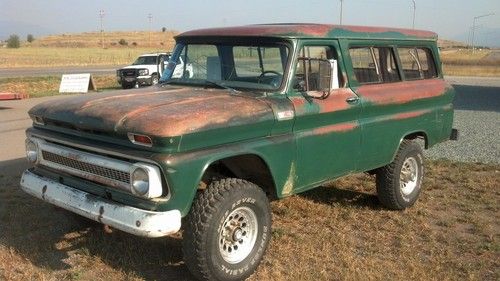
(334, 232)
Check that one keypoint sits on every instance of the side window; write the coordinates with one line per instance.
(311, 72)
(364, 66)
(417, 63)
(374, 65)
(426, 60)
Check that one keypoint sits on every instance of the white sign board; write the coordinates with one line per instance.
(76, 83)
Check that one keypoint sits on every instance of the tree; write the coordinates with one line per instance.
(163, 29)
(30, 38)
(13, 41)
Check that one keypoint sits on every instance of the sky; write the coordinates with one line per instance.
(451, 19)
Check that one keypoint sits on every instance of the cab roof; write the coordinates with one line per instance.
(310, 30)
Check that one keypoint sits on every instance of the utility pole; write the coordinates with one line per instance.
(150, 18)
(341, 10)
(101, 17)
(414, 12)
(474, 29)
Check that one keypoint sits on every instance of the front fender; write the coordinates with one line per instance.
(184, 171)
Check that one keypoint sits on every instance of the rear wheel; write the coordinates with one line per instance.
(399, 183)
(227, 230)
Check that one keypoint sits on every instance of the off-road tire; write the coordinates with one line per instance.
(209, 213)
(127, 85)
(391, 192)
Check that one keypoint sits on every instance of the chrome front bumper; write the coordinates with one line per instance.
(126, 218)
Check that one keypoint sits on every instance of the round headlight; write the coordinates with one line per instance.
(140, 181)
(31, 151)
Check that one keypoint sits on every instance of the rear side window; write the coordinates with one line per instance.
(417, 63)
(374, 65)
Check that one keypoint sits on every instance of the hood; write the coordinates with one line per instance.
(138, 66)
(158, 111)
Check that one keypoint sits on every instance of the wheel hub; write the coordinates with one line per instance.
(238, 235)
(409, 176)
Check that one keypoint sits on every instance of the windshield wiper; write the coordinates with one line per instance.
(222, 86)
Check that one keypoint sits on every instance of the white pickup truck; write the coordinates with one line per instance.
(147, 70)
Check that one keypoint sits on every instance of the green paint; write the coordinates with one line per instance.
(312, 146)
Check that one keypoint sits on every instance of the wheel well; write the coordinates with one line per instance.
(418, 135)
(248, 167)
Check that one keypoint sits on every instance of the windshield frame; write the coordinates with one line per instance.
(230, 41)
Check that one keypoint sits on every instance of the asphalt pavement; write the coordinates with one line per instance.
(477, 117)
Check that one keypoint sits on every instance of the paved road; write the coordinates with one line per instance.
(56, 71)
(477, 116)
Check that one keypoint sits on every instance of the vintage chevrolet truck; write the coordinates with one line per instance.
(268, 111)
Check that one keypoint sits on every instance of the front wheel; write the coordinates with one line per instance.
(227, 230)
(154, 79)
(399, 183)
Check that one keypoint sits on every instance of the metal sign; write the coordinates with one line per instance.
(77, 83)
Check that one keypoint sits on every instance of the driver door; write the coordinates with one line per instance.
(326, 127)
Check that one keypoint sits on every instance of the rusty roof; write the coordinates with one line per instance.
(309, 30)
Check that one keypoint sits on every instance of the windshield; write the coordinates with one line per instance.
(145, 60)
(240, 66)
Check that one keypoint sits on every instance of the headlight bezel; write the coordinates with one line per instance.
(32, 154)
(154, 185)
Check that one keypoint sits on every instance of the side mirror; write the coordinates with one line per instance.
(326, 69)
(319, 77)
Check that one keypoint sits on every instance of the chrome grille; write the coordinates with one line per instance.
(105, 172)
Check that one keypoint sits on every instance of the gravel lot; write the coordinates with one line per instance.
(477, 117)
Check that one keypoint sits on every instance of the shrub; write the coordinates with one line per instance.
(30, 38)
(13, 41)
(123, 42)
(134, 44)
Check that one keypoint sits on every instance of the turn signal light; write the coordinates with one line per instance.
(140, 139)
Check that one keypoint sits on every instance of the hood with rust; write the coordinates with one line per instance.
(159, 111)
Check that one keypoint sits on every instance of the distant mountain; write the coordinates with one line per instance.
(484, 36)
(22, 29)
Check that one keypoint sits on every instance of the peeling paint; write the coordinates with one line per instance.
(402, 92)
(310, 30)
(290, 181)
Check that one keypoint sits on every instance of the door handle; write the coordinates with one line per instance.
(352, 100)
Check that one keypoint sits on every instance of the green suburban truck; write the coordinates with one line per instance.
(268, 111)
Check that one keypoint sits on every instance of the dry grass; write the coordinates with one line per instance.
(83, 49)
(335, 232)
(111, 39)
(49, 85)
(465, 63)
(53, 57)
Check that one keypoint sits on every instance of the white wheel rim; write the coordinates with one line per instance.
(238, 235)
(408, 177)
